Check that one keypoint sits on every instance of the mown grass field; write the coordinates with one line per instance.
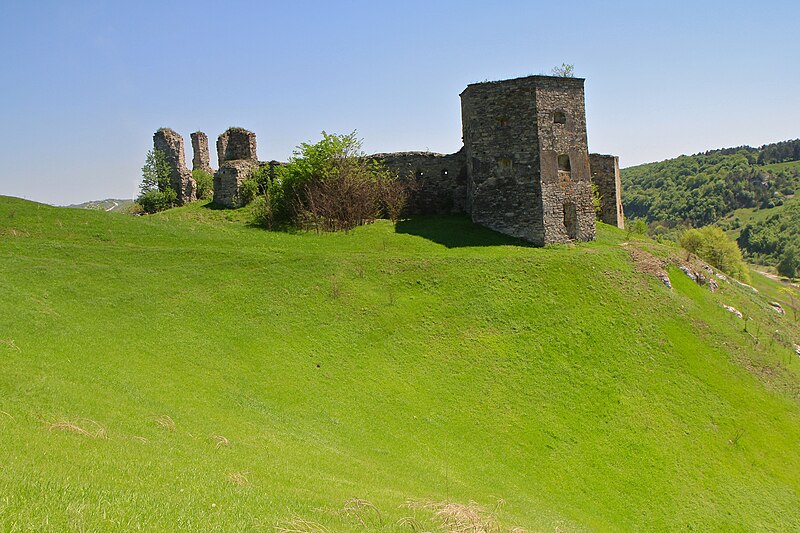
(188, 371)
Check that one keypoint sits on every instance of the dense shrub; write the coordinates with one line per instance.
(711, 244)
(205, 184)
(248, 191)
(330, 185)
(154, 201)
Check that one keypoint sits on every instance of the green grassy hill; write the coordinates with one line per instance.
(187, 371)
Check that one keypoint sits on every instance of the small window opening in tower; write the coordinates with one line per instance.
(444, 172)
(502, 121)
(506, 162)
(559, 117)
(420, 173)
(563, 163)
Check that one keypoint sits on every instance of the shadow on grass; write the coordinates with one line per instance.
(454, 231)
(215, 207)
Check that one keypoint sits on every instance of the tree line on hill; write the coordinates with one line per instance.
(699, 190)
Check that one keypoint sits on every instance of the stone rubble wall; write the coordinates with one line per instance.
(605, 175)
(501, 140)
(236, 151)
(228, 182)
(438, 181)
(515, 134)
(171, 144)
(201, 159)
(568, 212)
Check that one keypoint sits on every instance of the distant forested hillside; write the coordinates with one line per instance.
(771, 238)
(701, 189)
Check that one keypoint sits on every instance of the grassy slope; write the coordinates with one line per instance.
(439, 361)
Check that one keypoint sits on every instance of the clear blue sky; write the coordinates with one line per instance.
(85, 84)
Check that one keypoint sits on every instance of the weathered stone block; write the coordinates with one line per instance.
(201, 159)
(236, 151)
(171, 144)
(228, 181)
(605, 175)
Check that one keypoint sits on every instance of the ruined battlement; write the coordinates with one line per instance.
(525, 169)
(171, 144)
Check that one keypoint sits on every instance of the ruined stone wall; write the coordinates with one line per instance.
(501, 149)
(201, 159)
(605, 175)
(171, 144)
(236, 150)
(438, 181)
(567, 209)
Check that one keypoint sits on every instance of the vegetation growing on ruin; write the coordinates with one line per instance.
(189, 371)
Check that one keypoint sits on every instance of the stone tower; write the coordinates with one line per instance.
(201, 159)
(527, 158)
(236, 152)
(171, 144)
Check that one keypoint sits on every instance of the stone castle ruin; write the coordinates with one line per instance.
(525, 169)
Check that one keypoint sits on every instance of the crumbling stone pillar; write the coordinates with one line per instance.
(201, 159)
(171, 144)
(605, 176)
(236, 151)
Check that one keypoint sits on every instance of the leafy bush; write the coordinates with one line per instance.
(636, 226)
(248, 190)
(711, 244)
(261, 210)
(205, 184)
(154, 201)
(331, 185)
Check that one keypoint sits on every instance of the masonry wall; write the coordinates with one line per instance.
(171, 144)
(605, 175)
(438, 181)
(566, 186)
(502, 158)
(236, 151)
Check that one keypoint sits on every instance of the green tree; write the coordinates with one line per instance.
(155, 172)
(711, 244)
(156, 192)
(789, 263)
